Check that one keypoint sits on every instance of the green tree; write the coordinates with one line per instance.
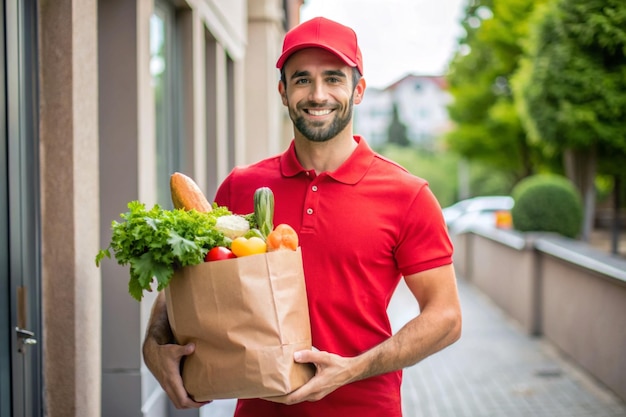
(396, 131)
(571, 90)
(488, 128)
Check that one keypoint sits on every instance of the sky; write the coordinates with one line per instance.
(397, 37)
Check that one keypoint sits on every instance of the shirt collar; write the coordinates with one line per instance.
(350, 172)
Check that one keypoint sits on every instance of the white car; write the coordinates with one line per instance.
(473, 211)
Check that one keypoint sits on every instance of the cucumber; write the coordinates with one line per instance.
(264, 210)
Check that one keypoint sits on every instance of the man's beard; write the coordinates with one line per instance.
(314, 132)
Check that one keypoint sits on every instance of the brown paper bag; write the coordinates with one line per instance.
(246, 316)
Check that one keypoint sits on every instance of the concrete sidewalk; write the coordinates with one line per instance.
(495, 370)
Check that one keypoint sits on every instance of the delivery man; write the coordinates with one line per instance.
(364, 223)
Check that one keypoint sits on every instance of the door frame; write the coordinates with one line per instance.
(5, 312)
(22, 211)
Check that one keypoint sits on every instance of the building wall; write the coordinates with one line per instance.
(68, 122)
(127, 158)
(100, 150)
(261, 89)
(421, 103)
(267, 23)
(373, 115)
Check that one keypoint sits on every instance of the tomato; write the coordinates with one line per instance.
(244, 247)
(219, 253)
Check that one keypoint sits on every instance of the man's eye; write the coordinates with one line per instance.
(334, 80)
(302, 81)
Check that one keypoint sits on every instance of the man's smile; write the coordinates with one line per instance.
(313, 112)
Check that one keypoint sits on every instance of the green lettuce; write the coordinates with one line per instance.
(155, 242)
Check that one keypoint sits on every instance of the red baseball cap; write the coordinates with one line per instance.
(323, 33)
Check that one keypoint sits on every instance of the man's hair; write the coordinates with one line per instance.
(356, 76)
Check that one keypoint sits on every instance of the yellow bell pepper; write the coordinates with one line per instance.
(243, 247)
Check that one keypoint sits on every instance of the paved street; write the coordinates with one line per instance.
(494, 370)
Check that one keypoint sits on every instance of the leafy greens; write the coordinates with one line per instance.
(154, 242)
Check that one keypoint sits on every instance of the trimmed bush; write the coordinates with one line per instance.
(547, 203)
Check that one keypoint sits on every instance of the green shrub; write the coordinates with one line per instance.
(547, 203)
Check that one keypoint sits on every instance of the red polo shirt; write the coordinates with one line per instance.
(361, 228)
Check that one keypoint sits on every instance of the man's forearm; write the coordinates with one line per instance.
(431, 331)
(418, 339)
(159, 329)
(437, 326)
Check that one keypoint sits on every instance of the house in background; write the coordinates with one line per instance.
(421, 105)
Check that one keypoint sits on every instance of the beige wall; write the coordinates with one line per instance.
(126, 159)
(505, 272)
(98, 153)
(262, 98)
(70, 215)
(584, 314)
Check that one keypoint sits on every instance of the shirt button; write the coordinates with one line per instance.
(314, 188)
(309, 211)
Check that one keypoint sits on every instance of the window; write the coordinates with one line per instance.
(165, 83)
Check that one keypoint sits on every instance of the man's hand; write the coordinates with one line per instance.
(164, 363)
(163, 357)
(332, 372)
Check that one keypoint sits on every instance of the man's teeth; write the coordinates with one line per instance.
(319, 112)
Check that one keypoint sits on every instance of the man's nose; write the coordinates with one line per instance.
(317, 92)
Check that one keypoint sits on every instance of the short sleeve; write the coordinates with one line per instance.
(424, 242)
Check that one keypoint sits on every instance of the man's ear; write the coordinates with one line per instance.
(359, 91)
(282, 91)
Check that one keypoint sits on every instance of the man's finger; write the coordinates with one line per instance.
(185, 350)
(308, 356)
